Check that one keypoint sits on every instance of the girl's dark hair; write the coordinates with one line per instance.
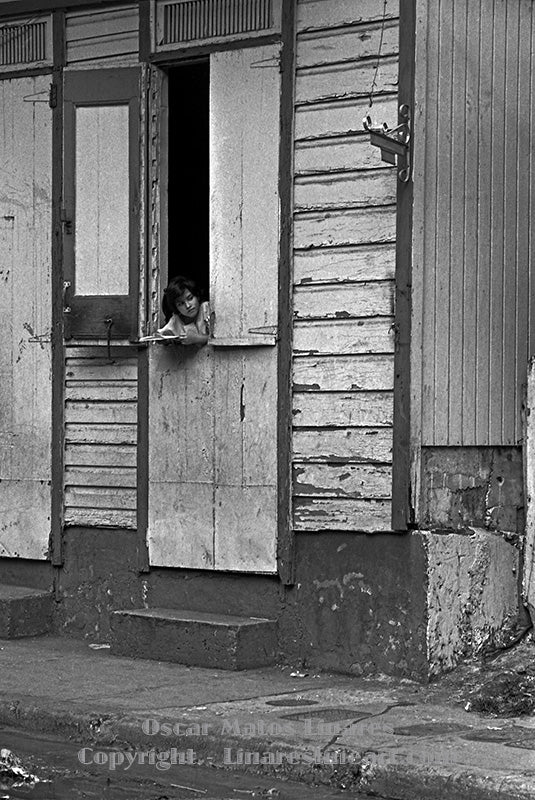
(175, 289)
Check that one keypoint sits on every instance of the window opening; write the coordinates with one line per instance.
(188, 188)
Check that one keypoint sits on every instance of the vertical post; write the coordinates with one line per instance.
(144, 31)
(58, 353)
(285, 546)
(402, 511)
(145, 248)
(528, 571)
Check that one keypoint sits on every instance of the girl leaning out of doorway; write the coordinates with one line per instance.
(187, 316)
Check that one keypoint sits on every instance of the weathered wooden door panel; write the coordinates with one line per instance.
(244, 142)
(213, 411)
(25, 309)
(181, 472)
(245, 458)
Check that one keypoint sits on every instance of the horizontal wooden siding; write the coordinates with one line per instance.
(102, 34)
(101, 437)
(344, 263)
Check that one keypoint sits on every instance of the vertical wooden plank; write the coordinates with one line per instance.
(144, 43)
(402, 510)
(25, 360)
(31, 298)
(470, 327)
(142, 461)
(485, 135)
(58, 352)
(145, 242)
(7, 225)
(286, 539)
(259, 427)
(260, 188)
(181, 476)
(524, 207)
(456, 266)
(227, 112)
(245, 120)
(428, 100)
(512, 127)
(244, 104)
(228, 421)
(531, 241)
(528, 567)
(443, 221)
(497, 201)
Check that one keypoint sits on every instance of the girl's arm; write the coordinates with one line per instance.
(192, 337)
(200, 336)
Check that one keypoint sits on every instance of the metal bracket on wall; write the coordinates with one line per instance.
(394, 143)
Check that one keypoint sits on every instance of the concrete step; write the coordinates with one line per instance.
(194, 638)
(24, 611)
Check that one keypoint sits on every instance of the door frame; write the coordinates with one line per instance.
(156, 255)
(58, 319)
(405, 455)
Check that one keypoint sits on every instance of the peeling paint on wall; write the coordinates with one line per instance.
(472, 594)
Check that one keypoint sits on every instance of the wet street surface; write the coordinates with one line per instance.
(68, 771)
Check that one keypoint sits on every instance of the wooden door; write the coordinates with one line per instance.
(101, 179)
(213, 411)
(26, 313)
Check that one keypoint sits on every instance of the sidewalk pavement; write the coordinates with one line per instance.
(387, 737)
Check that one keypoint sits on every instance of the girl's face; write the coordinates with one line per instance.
(188, 305)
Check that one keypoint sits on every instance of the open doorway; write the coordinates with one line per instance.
(188, 176)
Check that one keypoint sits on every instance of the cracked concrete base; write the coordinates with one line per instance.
(472, 594)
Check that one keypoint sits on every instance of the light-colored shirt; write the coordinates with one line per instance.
(176, 326)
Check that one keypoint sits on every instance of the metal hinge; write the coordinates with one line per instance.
(394, 143)
(265, 330)
(266, 63)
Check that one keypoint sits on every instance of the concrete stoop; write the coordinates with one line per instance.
(194, 638)
(24, 611)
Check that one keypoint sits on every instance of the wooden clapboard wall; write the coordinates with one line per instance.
(344, 260)
(96, 35)
(473, 218)
(100, 436)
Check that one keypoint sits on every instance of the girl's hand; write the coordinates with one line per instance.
(193, 338)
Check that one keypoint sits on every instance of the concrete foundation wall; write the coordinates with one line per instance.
(472, 597)
(472, 503)
(99, 575)
(409, 604)
(358, 604)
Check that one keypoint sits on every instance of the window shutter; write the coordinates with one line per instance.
(244, 157)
